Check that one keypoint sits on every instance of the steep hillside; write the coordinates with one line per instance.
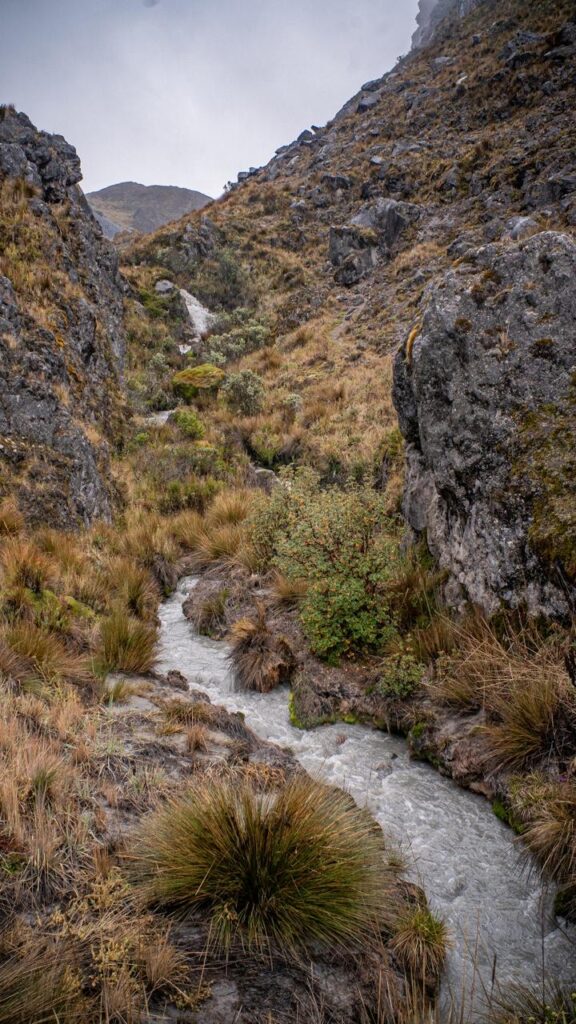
(339, 242)
(61, 333)
(129, 206)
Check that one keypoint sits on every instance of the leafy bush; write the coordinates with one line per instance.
(239, 335)
(400, 676)
(277, 872)
(340, 543)
(189, 424)
(244, 392)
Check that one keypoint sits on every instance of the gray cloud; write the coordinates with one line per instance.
(188, 92)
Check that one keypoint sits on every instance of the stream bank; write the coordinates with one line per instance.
(499, 914)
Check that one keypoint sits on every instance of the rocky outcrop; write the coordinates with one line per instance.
(431, 14)
(61, 333)
(483, 387)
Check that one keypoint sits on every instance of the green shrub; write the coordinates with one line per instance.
(278, 872)
(195, 493)
(238, 336)
(189, 424)
(342, 545)
(400, 676)
(244, 392)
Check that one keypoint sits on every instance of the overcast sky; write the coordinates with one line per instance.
(189, 92)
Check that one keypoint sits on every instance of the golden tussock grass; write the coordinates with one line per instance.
(260, 659)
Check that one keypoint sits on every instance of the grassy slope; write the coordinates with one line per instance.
(501, 134)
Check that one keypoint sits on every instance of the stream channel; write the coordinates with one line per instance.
(472, 869)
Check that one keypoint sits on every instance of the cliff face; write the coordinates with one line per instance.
(485, 394)
(61, 333)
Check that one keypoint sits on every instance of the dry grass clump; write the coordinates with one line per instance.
(283, 871)
(149, 541)
(549, 832)
(197, 739)
(99, 960)
(545, 1004)
(34, 656)
(133, 587)
(520, 681)
(23, 564)
(260, 659)
(531, 725)
(42, 832)
(218, 544)
(420, 942)
(287, 593)
(11, 518)
(186, 528)
(183, 712)
(209, 617)
(38, 985)
(228, 507)
(127, 644)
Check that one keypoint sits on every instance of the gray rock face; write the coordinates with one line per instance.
(354, 247)
(431, 13)
(496, 344)
(388, 218)
(61, 335)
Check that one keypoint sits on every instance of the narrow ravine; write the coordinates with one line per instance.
(472, 869)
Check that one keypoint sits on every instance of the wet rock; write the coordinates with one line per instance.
(463, 387)
(177, 680)
(265, 479)
(519, 42)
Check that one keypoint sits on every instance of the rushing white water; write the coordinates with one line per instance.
(473, 872)
(201, 318)
(158, 418)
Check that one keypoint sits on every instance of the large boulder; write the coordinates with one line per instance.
(485, 390)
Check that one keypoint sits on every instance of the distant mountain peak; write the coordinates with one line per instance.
(130, 206)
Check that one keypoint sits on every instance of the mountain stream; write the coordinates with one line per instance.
(472, 869)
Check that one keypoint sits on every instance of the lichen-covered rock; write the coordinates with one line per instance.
(61, 334)
(485, 390)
